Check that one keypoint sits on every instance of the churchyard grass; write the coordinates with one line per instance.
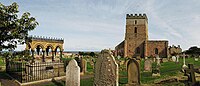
(1, 61)
(87, 82)
(167, 70)
(89, 68)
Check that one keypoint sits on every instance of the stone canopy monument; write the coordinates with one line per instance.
(44, 47)
(106, 70)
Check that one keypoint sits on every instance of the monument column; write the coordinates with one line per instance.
(32, 52)
(43, 59)
(61, 54)
(53, 56)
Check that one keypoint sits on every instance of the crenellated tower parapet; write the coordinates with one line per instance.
(136, 16)
(42, 38)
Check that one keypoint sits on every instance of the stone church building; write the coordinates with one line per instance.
(136, 39)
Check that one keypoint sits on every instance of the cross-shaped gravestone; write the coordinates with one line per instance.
(158, 59)
(184, 66)
(191, 72)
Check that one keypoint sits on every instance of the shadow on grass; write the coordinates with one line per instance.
(3, 75)
(61, 83)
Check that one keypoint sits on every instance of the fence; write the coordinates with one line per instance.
(27, 72)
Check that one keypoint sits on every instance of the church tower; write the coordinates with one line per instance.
(136, 36)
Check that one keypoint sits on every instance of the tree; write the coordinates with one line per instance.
(92, 54)
(193, 50)
(14, 30)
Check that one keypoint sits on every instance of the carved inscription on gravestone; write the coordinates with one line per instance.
(133, 72)
(106, 70)
(147, 65)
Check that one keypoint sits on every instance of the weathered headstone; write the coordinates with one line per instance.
(84, 65)
(165, 59)
(92, 63)
(73, 74)
(106, 70)
(174, 58)
(133, 68)
(147, 65)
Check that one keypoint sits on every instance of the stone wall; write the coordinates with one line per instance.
(119, 49)
(161, 45)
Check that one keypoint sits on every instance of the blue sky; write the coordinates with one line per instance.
(98, 24)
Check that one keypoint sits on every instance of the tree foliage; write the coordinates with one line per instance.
(14, 30)
(92, 54)
(193, 50)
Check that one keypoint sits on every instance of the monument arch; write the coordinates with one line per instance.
(43, 47)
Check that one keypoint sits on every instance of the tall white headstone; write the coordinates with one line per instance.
(73, 74)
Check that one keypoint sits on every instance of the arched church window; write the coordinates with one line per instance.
(135, 21)
(156, 50)
(137, 50)
(135, 30)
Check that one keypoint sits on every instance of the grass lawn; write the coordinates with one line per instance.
(167, 69)
(2, 62)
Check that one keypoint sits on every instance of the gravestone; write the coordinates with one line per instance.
(158, 59)
(184, 65)
(191, 76)
(165, 59)
(84, 65)
(92, 63)
(154, 59)
(147, 65)
(133, 69)
(118, 57)
(79, 60)
(155, 69)
(174, 58)
(146, 58)
(196, 59)
(73, 74)
(106, 70)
